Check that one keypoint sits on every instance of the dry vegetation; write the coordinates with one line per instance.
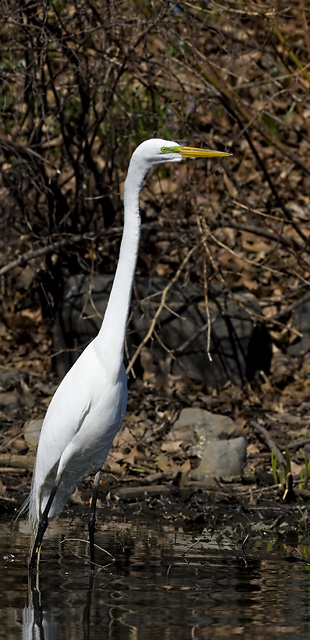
(84, 82)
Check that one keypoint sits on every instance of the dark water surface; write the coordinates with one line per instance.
(160, 584)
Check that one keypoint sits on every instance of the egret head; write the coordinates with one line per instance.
(157, 150)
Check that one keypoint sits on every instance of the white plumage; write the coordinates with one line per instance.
(88, 407)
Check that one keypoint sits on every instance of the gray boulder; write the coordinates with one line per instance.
(219, 445)
(240, 345)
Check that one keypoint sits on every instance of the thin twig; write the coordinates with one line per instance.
(160, 308)
(17, 461)
(268, 440)
(36, 253)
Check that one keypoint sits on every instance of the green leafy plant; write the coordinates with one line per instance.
(278, 477)
(305, 474)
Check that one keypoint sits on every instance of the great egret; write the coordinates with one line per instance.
(88, 407)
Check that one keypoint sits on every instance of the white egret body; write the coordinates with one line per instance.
(88, 407)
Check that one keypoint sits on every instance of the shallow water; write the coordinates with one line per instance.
(160, 583)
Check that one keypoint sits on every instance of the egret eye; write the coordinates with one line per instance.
(163, 149)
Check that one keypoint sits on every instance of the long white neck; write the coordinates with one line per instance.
(109, 343)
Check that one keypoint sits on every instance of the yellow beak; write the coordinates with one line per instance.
(192, 152)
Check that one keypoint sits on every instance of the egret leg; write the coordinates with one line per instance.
(92, 520)
(43, 522)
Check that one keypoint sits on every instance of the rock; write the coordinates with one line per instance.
(239, 347)
(221, 459)
(220, 445)
(9, 399)
(301, 320)
(14, 390)
(11, 378)
(32, 430)
(206, 423)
